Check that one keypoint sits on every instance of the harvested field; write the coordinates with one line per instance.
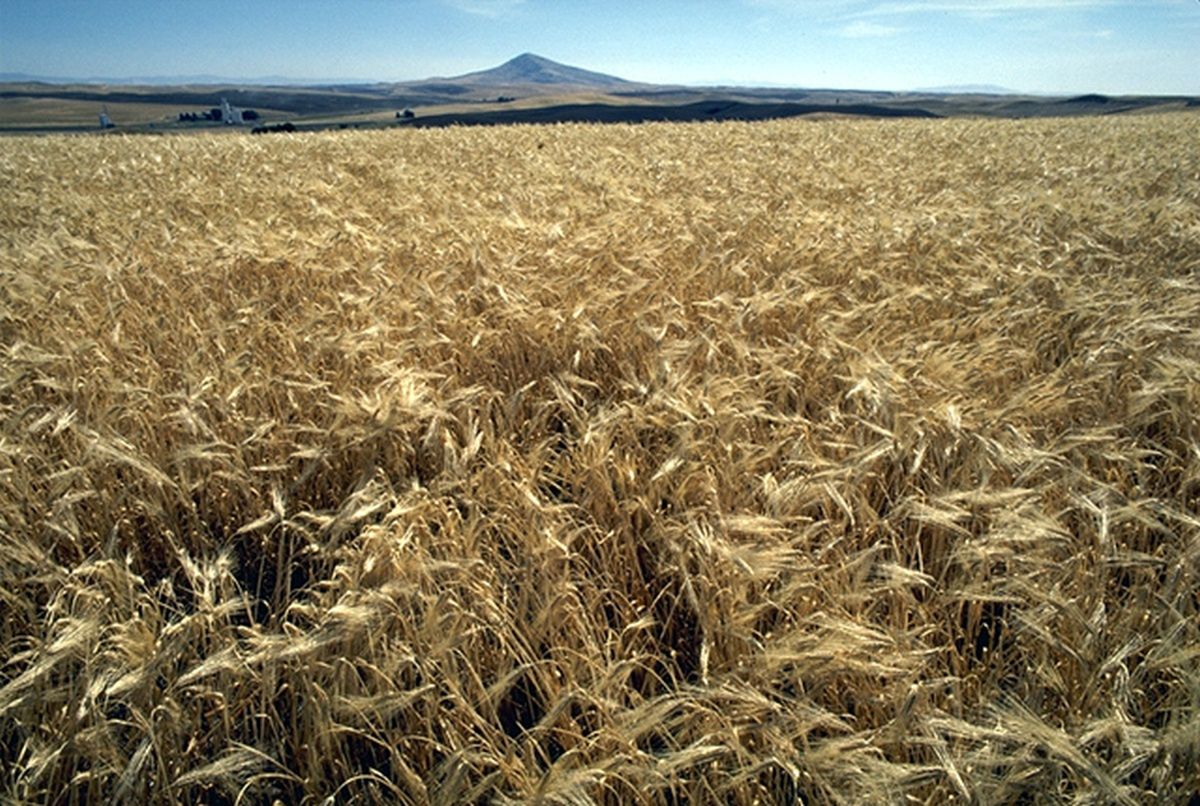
(840, 462)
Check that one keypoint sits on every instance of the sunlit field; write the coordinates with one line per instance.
(822, 462)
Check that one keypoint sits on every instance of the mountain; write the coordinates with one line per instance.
(529, 68)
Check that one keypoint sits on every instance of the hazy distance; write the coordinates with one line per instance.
(1039, 46)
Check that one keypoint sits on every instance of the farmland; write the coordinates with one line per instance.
(843, 461)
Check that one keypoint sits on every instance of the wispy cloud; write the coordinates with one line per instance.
(977, 7)
(815, 8)
(862, 29)
(486, 8)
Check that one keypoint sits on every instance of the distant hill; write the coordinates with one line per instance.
(968, 89)
(202, 79)
(526, 89)
(529, 68)
(524, 70)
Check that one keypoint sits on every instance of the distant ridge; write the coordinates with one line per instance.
(528, 89)
(202, 79)
(968, 89)
(529, 68)
(521, 71)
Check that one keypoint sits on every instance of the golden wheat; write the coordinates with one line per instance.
(839, 462)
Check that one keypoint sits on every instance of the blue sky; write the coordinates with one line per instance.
(1148, 46)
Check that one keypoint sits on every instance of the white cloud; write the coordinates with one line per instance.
(811, 8)
(486, 8)
(979, 6)
(861, 29)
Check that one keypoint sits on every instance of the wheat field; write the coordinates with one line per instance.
(825, 462)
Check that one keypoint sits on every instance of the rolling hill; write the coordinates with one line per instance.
(526, 89)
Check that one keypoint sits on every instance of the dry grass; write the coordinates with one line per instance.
(50, 113)
(844, 462)
(32, 113)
